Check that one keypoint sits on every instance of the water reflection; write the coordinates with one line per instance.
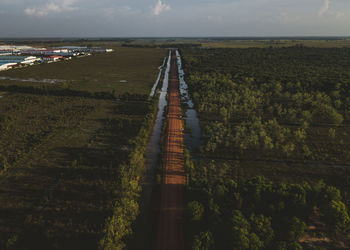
(158, 78)
(192, 139)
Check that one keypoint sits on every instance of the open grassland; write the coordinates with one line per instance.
(276, 113)
(70, 161)
(99, 72)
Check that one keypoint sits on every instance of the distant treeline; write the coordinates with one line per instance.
(166, 45)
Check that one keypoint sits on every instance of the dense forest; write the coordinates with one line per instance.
(259, 214)
(282, 113)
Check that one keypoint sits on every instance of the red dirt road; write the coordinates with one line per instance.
(170, 231)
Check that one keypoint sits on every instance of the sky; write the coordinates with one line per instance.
(173, 18)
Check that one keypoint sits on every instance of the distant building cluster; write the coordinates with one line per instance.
(19, 56)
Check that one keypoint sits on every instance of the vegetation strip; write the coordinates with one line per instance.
(126, 207)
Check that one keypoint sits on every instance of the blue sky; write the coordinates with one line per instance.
(120, 18)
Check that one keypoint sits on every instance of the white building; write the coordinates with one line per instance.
(7, 66)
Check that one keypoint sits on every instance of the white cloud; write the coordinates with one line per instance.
(113, 14)
(324, 8)
(52, 7)
(284, 16)
(160, 7)
(339, 15)
(35, 12)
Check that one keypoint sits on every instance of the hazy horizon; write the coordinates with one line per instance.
(173, 18)
(175, 37)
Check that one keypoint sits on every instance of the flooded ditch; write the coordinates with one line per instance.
(192, 139)
(158, 79)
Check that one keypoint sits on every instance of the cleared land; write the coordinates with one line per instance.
(100, 72)
(61, 154)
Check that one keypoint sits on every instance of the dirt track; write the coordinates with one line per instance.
(170, 231)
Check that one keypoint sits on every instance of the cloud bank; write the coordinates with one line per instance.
(160, 7)
(52, 7)
(324, 8)
(91, 18)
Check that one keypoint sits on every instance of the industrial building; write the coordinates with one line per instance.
(10, 61)
(13, 56)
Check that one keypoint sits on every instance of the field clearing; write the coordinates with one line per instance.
(99, 72)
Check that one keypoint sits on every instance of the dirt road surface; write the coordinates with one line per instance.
(170, 231)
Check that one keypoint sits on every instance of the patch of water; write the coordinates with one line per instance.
(153, 146)
(193, 139)
(52, 81)
(158, 79)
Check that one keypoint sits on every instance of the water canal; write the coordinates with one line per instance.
(192, 138)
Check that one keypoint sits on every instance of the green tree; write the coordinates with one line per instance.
(195, 210)
(203, 241)
(337, 216)
(294, 246)
(261, 226)
(296, 229)
(324, 113)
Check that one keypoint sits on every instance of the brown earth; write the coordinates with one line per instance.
(170, 231)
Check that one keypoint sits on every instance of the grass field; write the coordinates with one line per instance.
(61, 155)
(99, 72)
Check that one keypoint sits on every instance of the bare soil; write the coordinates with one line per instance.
(170, 231)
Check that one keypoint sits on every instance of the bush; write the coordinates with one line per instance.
(326, 114)
(337, 216)
(203, 241)
(194, 210)
(296, 229)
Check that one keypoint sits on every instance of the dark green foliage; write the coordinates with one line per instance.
(119, 226)
(260, 214)
(337, 215)
(276, 121)
(203, 241)
(194, 211)
(295, 228)
(347, 241)
(269, 103)
(261, 226)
